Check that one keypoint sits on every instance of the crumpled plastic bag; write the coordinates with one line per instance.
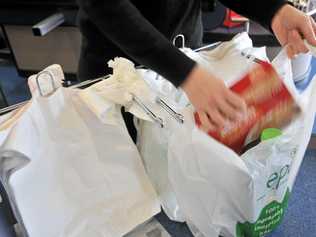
(117, 91)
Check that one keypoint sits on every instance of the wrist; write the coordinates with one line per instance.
(192, 76)
(279, 13)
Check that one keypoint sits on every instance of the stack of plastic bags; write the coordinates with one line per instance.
(66, 172)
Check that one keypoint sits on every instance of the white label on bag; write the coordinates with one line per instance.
(275, 199)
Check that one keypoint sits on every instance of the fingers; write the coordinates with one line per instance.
(225, 108)
(300, 46)
(213, 119)
(214, 102)
(307, 28)
(297, 43)
(290, 51)
(237, 102)
(231, 106)
(216, 117)
(313, 24)
(204, 122)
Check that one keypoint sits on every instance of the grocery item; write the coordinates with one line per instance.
(269, 104)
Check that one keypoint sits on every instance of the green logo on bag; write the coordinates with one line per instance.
(278, 178)
(270, 217)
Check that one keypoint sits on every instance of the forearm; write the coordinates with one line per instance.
(123, 24)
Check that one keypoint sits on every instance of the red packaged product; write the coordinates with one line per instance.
(269, 105)
(232, 19)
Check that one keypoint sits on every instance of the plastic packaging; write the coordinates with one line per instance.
(269, 104)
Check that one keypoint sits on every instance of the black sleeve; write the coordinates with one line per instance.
(122, 23)
(261, 11)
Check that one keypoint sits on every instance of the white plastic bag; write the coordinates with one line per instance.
(222, 193)
(152, 143)
(229, 60)
(104, 98)
(73, 175)
(153, 140)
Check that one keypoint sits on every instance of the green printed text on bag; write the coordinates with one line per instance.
(270, 217)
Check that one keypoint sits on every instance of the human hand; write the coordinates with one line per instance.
(291, 27)
(213, 101)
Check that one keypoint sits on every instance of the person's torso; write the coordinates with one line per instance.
(170, 17)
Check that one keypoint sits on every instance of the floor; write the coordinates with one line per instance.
(14, 87)
(300, 219)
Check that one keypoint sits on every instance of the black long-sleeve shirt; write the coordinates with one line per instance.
(143, 29)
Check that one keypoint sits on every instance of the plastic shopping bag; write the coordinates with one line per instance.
(269, 105)
(245, 196)
(69, 174)
(230, 60)
(153, 140)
